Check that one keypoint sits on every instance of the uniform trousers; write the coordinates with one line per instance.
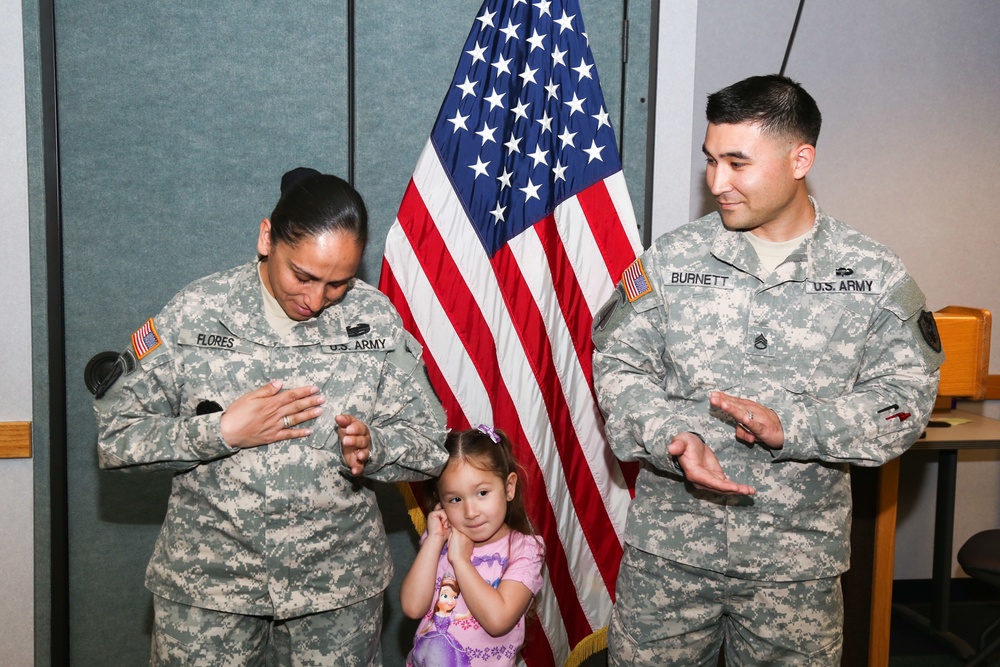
(186, 636)
(667, 613)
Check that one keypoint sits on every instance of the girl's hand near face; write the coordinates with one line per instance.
(437, 524)
(460, 548)
(417, 590)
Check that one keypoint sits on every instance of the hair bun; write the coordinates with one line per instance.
(296, 176)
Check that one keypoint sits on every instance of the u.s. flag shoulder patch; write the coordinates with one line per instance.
(635, 282)
(145, 340)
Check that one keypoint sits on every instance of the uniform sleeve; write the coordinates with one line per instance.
(138, 422)
(891, 397)
(408, 423)
(629, 374)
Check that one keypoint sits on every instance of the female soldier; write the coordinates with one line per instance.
(270, 389)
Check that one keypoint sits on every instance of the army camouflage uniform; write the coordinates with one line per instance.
(835, 341)
(187, 636)
(281, 530)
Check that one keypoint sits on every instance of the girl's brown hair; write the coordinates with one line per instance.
(490, 450)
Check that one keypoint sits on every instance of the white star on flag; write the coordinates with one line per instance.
(576, 104)
(479, 167)
(583, 69)
(458, 121)
(467, 87)
(594, 152)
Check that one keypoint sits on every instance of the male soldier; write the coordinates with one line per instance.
(747, 359)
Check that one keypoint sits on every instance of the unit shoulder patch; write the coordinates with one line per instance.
(929, 330)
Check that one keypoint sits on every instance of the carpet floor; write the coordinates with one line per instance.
(911, 646)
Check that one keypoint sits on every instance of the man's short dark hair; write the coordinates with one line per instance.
(779, 105)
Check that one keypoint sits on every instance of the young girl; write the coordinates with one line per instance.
(480, 563)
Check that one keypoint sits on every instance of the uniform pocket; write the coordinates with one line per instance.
(827, 348)
(701, 343)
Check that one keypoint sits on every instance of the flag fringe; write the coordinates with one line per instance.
(589, 646)
(413, 507)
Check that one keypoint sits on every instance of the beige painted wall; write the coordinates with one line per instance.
(16, 529)
(909, 95)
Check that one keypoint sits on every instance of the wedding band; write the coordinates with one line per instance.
(287, 422)
(749, 416)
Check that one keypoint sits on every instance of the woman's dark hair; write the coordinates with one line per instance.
(478, 449)
(781, 106)
(312, 203)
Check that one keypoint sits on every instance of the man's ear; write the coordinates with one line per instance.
(802, 157)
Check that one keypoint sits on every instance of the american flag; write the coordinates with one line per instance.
(512, 233)
(634, 281)
(145, 340)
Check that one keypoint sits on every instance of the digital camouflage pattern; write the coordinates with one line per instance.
(769, 623)
(831, 341)
(186, 636)
(279, 530)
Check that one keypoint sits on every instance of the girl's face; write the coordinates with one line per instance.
(475, 500)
